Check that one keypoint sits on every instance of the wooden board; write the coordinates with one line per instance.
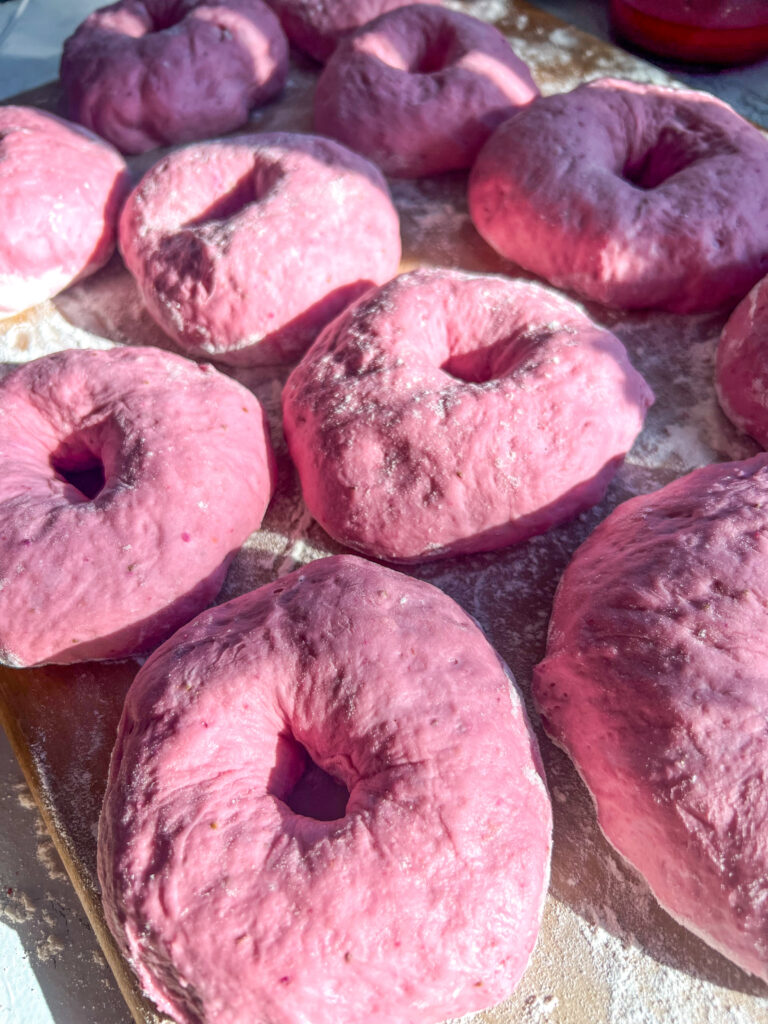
(607, 953)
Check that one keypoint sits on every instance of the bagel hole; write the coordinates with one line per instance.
(80, 467)
(437, 53)
(304, 786)
(484, 363)
(671, 153)
(167, 15)
(250, 188)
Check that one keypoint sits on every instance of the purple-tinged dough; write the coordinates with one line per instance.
(654, 682)
(635, 196)
(325, 804)
(147, 73)
(420, 89)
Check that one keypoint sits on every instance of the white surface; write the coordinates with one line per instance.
(51, 968)
(50, 965)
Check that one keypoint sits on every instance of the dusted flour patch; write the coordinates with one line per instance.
(60, 193)
(653, 681)
(153, 73)
(325, 803)
(447, 413)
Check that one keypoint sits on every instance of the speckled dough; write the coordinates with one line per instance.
(316, 26)
(635, 196)
(128, 478)
(741, 371)
(146, 73)
(654, 682)
(244, 249)
(60, 193)
(448, 413)
(246, 886)
(420, 89)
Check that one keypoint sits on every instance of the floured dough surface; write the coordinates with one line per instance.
(741, 370)
(654, 682)
(326, 804)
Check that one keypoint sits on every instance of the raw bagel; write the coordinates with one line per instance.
(244, 249)
(635, 196)
(128, 478)
(325, 804)
(60, 194)
(147, 73)
(447, 413)
(317, 27)
(420, 89)
(654, 682)
(741, 371)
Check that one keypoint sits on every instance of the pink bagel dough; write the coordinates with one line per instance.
(244, 249)
(741, 370)
(635, 196)
(60, 194)
(317, 27)
(147, 73)
(128, 478)
(447, 413)
(247, 886)
(420, 89)
(654, 683)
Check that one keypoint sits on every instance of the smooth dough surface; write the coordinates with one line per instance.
(237, 899)
(147, 73)
(244, 249)
(128, 479)
(741, 368)
(60, 194)
(635, 196)
(447, 413)
(420, 89)
(654, 682)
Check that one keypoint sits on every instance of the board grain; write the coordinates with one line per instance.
(607, 953)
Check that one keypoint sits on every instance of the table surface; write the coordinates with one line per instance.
(50, 962)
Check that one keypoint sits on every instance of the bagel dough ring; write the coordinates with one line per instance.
(60, 194)
(147, 73)
(420, 89)
(316, 27)
(325, 804)
(654, 683)
(128, 478)
(741, 370)
(448, 413)
(243, 249)
(636, 196)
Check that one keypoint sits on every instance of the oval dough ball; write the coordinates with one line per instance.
(60, 194)
(317, 27)
(448, 413)
(128, 479)
(244, 249)
(420, 89)
(654, 683)
(147, 73)
(741, 370)
(636, 196)
(325, 804)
